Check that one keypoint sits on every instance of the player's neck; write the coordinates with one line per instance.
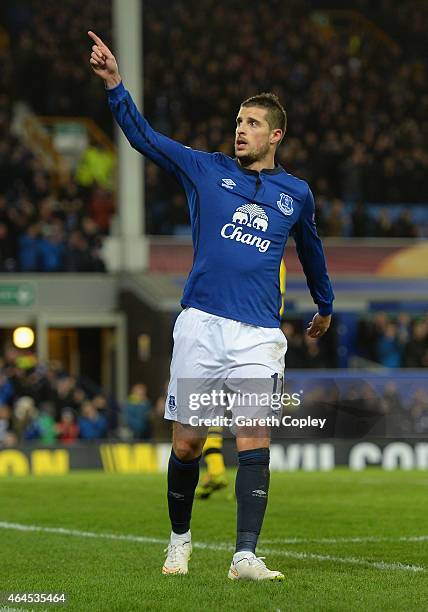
(267, 163)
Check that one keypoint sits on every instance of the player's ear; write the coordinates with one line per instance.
(276, 136)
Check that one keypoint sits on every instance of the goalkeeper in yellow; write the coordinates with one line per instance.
(215, 477)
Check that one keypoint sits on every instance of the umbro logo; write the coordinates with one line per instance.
(259, 493)
(176, 495)
(228, 183)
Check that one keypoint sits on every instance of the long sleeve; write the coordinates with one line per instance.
(311, 255)
(170, 155)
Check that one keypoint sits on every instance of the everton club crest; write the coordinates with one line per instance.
(285, 204)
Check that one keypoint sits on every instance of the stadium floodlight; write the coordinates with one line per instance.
(23, 337)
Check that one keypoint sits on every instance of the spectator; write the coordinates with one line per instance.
(6, 389)
(397, 418)
(52, 250)
(383, 224)
(101, 208)
(389, 349)
(137, 411)
(404, 227)
(403, 323)
(64, 395)
(29, 249)
(394, 341)
(46, 423)
(361, 221)
(78, 257)
(313, 355)
(67, 429)
(417, 345)
(354, 169)
(419, 411)
(92, 425)
(25, 414)
(335, 223)
(8, 250)
(5, 423)
(295, 356)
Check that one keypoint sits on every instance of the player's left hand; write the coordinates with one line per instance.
(318, 326)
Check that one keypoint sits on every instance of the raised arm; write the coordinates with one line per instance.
(311, 255)
(170, 155)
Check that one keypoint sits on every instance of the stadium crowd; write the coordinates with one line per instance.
(394, 341)
(356, 105)
(356, 407)
(43, 229)
(303, 352)
(43, 402)
(357, 110)
(45, 225)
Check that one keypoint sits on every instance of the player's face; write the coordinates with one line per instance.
(253, 134)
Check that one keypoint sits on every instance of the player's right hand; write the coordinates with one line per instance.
(103, 62)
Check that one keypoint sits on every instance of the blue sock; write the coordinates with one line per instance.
(183, 478)
(251, 488)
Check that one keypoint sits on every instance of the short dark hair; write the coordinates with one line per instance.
(276, 115)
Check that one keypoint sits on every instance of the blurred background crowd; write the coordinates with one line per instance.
(49, 222)
(354, 139)
(356, 99)
(42, 402)
(397, 340)
(354, 85)
(394, 341)
(360, 406)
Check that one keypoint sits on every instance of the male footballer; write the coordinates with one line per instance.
(215, 478)
(242, 211)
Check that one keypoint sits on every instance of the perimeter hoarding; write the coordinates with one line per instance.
(142, 458)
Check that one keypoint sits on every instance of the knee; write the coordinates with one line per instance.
(187, 450)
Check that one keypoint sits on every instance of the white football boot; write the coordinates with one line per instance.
(179, 551)
(246, 566)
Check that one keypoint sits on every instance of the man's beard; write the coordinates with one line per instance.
(254, 156)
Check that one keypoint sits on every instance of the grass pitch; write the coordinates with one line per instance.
(345, 541)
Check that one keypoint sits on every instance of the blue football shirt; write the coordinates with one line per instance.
(240, 219)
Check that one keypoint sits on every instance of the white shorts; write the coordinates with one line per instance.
(210, 351)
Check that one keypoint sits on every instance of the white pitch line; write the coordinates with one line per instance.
(356, 539)
(218, 546)
(382, 565)
(7, 609)
(81, 534)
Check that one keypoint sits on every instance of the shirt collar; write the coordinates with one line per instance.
(278, 168)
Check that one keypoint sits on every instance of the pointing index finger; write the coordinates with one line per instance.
(95, 38)
(99, 42)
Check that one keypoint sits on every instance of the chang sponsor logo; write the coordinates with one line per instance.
(250, 216)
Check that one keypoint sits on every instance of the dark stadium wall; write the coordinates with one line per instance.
(153, 367)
